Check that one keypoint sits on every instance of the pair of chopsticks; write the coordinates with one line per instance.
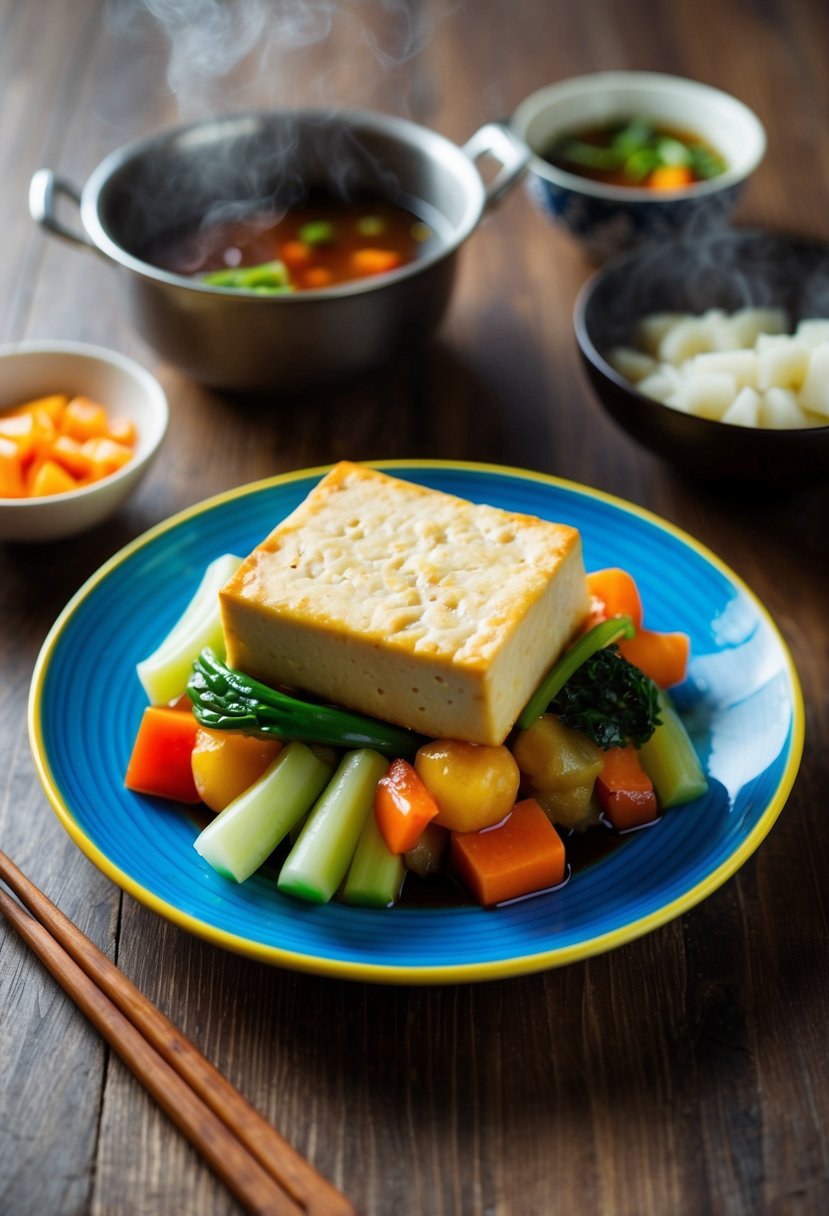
(261, 1169)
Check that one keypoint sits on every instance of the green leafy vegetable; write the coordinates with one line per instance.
(601, 635)
(610, 701)
(226, 699)
(271, 278)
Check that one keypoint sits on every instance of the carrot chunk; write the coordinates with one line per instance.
(105, 456)
(670, 177)
(295, 254)
(662, 656)
(625, 790)
(374, 261)
(83, 419)
(53, 406)
(161, 760)
(12, 484)
(68, 452)
(522, 854)
(122, 430)
(614, 593)
(403, 806)
(317, 276)
(51, 478)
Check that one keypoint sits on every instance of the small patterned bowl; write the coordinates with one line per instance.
(610, 219)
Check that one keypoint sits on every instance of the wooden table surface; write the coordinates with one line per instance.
(687, 1072)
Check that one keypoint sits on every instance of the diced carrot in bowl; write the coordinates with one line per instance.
(84, 419)
(51, 478)
(105, 455)
(12, 483)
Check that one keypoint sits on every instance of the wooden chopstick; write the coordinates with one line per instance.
(257, 1165)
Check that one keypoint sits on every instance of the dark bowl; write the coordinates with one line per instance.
(730, 270)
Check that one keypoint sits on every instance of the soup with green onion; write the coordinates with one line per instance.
(636, 153)
(311, 246)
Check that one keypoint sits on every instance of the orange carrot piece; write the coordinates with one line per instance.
(22, 430)
(374, 261)
(105, 456)
(403, 806)
(522, 854)
(67, 452)
(122, 430)
(614, 593)
(295, 254)
(670, 177)
(53, 406)
(662, 656)
(12, 484)
(625, 790)
(317, 276)
(160, 763)
(49, 477)
(84, 419)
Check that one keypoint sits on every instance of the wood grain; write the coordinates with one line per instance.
(684, 1073)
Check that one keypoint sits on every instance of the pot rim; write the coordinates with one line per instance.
(375, 122)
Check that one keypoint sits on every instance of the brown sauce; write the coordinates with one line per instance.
(321, 243)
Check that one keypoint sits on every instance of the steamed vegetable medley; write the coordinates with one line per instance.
(349, 807)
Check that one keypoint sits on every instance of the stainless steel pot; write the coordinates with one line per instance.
(171, 181)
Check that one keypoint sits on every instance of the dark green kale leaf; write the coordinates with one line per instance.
(610, 700)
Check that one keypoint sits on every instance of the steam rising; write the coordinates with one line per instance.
(209, 40)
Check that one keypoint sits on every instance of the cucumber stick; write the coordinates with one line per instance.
(247, 831)
(375, 875)
(670, 761)
(319, 861)
(164, 673)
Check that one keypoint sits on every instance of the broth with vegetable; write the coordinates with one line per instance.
(636, 153)
(313, 245)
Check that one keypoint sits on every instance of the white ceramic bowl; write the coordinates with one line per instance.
(609, 219)
(36, 369)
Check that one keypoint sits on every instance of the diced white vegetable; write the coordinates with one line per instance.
(749, 323)
(813, 330)
(632, 364)
(744, 409)
(720, 330)
(708, 394)
(741, 364)
(687, 338)
(782, 365)
(164, 674)
(704, 364)
(814, 395)
(780, 410)
(652, 329)
(661, 384)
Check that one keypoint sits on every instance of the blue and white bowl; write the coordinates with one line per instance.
(609, 219)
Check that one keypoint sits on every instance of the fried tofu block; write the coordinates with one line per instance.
(407, 604)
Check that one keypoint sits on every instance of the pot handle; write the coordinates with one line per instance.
(495, 139)
(44, 189)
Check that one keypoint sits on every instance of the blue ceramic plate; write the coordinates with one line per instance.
(742, 704)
